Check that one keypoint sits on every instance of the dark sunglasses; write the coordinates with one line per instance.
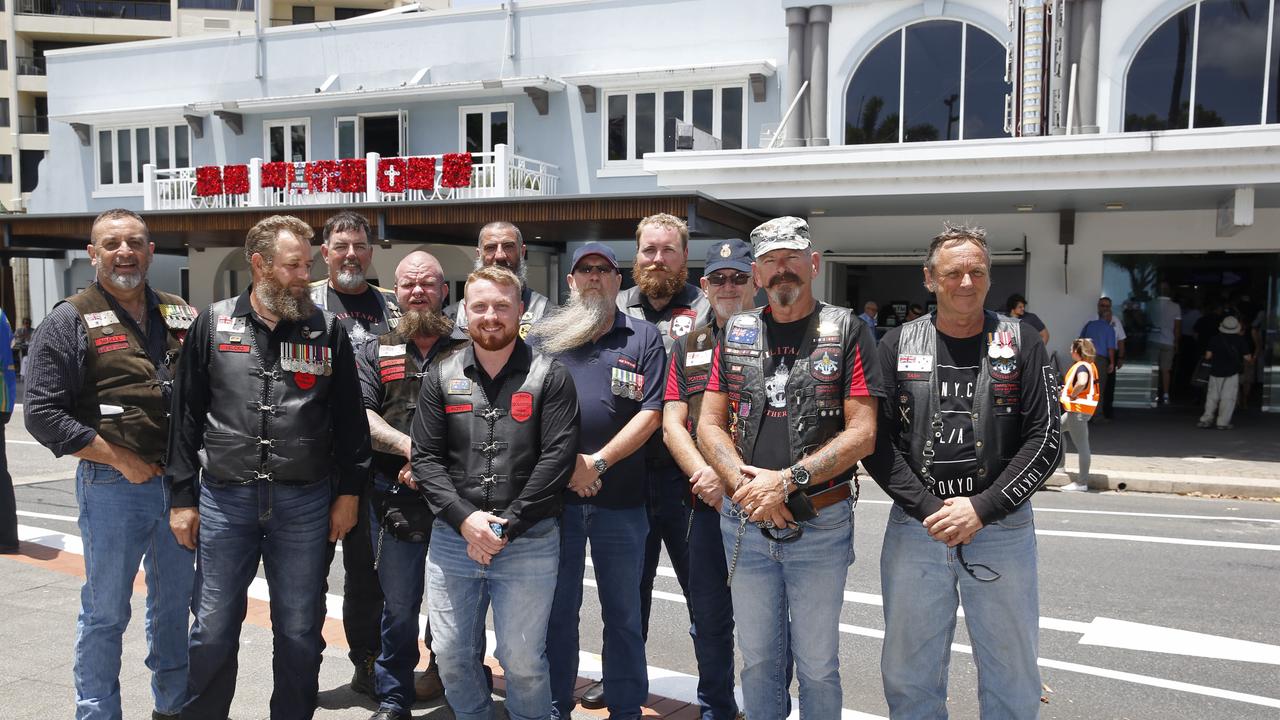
(738, 279)
(593, 270)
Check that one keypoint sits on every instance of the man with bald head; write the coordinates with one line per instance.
(391, 372)
(502, 244)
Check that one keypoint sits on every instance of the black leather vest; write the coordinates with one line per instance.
(119, 373)
(814, 390)
(268, 423)
(698, 347)
(391, 311)
(491, 450)
(997, 400)
(401, 379)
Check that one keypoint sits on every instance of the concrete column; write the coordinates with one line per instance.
(797, 20)
(1087, 76)
(502, 170)
(255, 182)
(149, 194)
(1061, 81)
(371, 177)
(819, 33)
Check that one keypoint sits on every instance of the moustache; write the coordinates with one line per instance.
(784, 277)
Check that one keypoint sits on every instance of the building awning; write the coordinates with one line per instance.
(367, 96)
(673, 74)
(151, 115)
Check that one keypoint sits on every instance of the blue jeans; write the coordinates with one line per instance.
(711, 607)
(772, 578)
(617, 552)
(923, 582)
(122, 524)
(287, 527)
(401, 572)
(521, 583)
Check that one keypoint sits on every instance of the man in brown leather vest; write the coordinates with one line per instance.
(99, 390)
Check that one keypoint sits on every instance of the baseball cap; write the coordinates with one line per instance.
(734, 254)
(787, 232)
(594, 248)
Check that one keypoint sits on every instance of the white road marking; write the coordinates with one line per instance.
(47, 516)
(1160, 540)
(1109, 632)
(21, 442)
(1119, 513)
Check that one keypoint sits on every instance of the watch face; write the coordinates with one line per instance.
(800, 475)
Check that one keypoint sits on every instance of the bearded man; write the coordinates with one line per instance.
(501, 244)
(266, 408)
(616, 362)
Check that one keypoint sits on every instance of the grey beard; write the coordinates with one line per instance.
(128, 282)
(574, 324)
(277, 298)
(521, 270)
(424, 323)
(350, 280)
(784, 296)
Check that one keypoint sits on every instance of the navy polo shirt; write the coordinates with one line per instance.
(633, 346)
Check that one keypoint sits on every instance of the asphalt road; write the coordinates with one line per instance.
(1151, 606)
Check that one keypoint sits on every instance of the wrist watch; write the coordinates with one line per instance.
(799, 475)
(599, 463)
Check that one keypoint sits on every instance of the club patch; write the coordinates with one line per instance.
(694, 359)
(304, 381)
(390, 350)
(104, 349)
(915, 363)
(459, 386)
(626, 362)
(681, 322)
(106, 318)
(521, 406)
(232, 347)
(824, 364)
(744, 334)
(461, 408)
(110, 340)
(229, 324)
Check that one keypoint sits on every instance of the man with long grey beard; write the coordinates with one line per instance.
(502, 244)
(365, 311)
(616, 362)
(266, 408)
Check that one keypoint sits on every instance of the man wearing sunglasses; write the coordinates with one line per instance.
(729, 290)
(789, 408)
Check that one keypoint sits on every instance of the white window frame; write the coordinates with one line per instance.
(632, 164)
(133, 187)
(487, 111)
(358, 119)
(358, 141)
(286, 123)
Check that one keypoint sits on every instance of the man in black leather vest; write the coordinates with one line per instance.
(729, 290)
(970, 432)
(101, 365)
(494, 445)
(266, 408)
(501, 244)
(391, 371)
(789, 408)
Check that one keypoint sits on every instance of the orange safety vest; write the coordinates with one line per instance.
(1087, 401)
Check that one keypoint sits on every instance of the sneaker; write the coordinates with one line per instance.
(427, 685)
(1073, 487)
(1204, 424)
(362, 678)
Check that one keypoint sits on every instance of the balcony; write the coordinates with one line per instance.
(499, 174)
(38, 124)
(30, 64)
(107, 9)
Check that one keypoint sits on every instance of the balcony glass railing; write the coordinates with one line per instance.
(33, 124)
(30, 65)
(215, 5)
(122, 9)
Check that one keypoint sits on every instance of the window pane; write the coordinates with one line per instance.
(181, 146)
(475, 132)
(646, 123)
(672, 112)
(104, 158)
(871, 104)
(984, 85)
(1158, 87)
(162, 147)
(346, 139)
(275, 138)
(617, 127)
(731, 118)
(124, 155)
(298, 142)
(6, 168)
(144, 150)
(498, 128)
(1230, 62)
(4, 112)
(704, 110)
(932, 82)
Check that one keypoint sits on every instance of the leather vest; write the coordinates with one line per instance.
(997, 400)
(535, 306)
(401, 379)
(391, 311)
(268, 423)
(814, 390)
(120, 374)
(698, 348)
(491, 450)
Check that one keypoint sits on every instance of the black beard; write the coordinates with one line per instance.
(653, 286)
(277, 298)
(424, 323)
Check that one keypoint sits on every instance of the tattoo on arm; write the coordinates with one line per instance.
(384, 438)
(824, 461)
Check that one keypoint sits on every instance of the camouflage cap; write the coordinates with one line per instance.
(789, 233)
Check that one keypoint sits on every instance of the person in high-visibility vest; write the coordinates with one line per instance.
(1079, 398)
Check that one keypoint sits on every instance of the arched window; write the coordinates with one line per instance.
(1213, 56)
(945, 77)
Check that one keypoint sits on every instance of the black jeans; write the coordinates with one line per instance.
(8, 504)
(361, 592)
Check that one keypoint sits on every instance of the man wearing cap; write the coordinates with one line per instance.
(789, 408)
(727, 283)
(616, 362)
(502, 244)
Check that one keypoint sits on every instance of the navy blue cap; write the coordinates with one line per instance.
(732, 253)
(594, 248)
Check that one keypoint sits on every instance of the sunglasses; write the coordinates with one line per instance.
(593, 270)
(738, 279)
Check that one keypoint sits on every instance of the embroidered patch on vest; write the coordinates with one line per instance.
(521, 406)
(304, 381)
(106, 318)
(744, 334)
(915, 363)
(681, 322)
(230, 347)
(459, 386)
(104, 349)
(694, 359)
(392, 374)
(824, 364)
(391, 362)
(451, 409)
(390, 350)
(626, 362)
(229, 324)
(110, 340)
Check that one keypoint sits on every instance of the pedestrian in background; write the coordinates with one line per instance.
(1102, 333)
(1227, 354)
(8, 389)
(1079, 399)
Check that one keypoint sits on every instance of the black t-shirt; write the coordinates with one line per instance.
(1228, 354)
(361, 315)
(956, 461)
(784, 343)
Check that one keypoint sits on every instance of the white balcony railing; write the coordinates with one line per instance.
(499, 174)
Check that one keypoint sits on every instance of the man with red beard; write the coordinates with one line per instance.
(391, 372)
(266, 408)
(494, 446)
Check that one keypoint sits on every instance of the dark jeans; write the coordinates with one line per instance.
(1109, 395)
(711, 608)
(668, 525)
(8, 504)
(402, 570)
(286, 527)
(361, 592)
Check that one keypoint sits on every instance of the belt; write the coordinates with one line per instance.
(827, 498)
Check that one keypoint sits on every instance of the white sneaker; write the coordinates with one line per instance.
(1073, 487)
